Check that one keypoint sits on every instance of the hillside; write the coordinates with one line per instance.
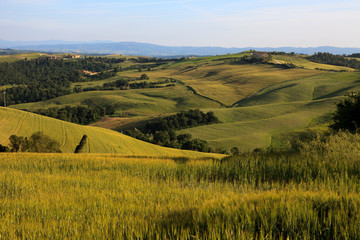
(253, 101)
(279, 108)
(68, 135)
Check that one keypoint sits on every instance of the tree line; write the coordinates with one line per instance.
(43, 78)
(125, 84)
(338, 60)
(37, 142)
(162, 131)
(78, 114)
(355, 55)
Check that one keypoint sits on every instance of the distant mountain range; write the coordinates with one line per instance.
(147, 49)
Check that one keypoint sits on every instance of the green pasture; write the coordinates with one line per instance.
(280, 108)
(151, 101)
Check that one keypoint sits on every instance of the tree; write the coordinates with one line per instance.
(16, 143)
(144, 77)
(235, 151)
(81, 144)
(347, 114)
(4, 148)
(39, 142)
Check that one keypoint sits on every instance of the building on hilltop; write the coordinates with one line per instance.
(259, 55)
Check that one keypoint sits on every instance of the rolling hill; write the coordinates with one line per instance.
(100, 140)
(279, 108)
(253, 101)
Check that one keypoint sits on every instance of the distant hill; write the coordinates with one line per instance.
(147, 49)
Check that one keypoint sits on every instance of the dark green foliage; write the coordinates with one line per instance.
(4, 148)
(337, 60)
(38, 142)
(161, 131)
(235, 151)
(124, 84)
(355, 55)
(81, 145)
(144, 77)
(182, 120)
(347, 114)
(78, 114)
(46, 78)
(17, 143)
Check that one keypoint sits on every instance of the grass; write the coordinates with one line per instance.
(21, 56)
(313, 194)
(225, 82)
(265, 100)
(301, 61)
(152, 101)
(100, 140)
(280, 108)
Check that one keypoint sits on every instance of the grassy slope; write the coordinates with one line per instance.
(279, 108)
(21, 56)
(133, 102)
(68, 135)
(226, 82)
(268, 99)
(301, 61)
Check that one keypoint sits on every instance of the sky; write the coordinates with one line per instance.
(225, 23)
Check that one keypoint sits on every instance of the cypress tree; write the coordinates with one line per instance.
(81, 144)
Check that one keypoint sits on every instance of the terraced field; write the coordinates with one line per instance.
(100, 140)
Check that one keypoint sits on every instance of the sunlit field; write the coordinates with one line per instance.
(313, 194)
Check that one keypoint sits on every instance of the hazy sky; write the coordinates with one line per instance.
(226, 23)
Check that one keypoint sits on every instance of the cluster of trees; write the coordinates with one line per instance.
(37, 142)
(282, 53)
(45, 69)
(101, 75)
(43, 78)
(162, 131)
(104, 60)
(125, 84)
(169, 138)
(35, 92)
(252, 59)
(347, 114)
(332, 59)
(78, 114)
(355, 55)
(181, 120)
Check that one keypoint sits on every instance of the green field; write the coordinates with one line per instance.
(21, 56)
(100, 140)
(301, 61)
(313, 194)
(227, 83)
(151, 101)
(279, 108)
